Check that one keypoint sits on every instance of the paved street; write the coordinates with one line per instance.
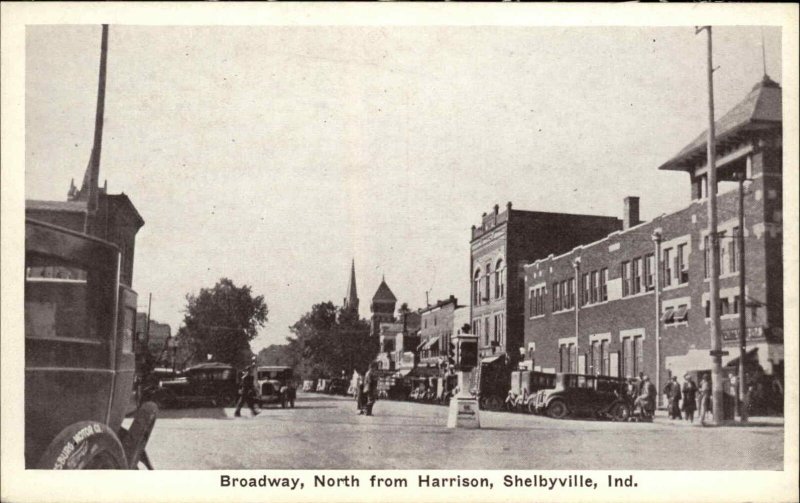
(324, 432)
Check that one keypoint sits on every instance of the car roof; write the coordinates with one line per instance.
(274, 367)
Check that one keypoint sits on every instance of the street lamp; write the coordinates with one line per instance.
(656, 237)
(742, 389)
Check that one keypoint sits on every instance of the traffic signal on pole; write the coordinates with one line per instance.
(468, 354)
(451, 353)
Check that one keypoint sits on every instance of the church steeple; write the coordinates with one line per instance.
(351, 301)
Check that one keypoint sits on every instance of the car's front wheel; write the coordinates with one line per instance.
(493, 403)
(557, 409)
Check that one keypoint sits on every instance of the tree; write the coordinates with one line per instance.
(327, 341)
(221, 321)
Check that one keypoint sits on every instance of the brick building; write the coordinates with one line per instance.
(157, 336)
(435, 332)
(609, 307)
(500, 247)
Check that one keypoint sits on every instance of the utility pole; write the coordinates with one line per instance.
(147, 326)
(742, 391)
(576, 264)
(716, 342)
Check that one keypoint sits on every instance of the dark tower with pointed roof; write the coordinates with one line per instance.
(382, 307)
(351, 300)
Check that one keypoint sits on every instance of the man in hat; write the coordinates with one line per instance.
(247, 391)
(673, 392)
(689, 394)
(369, 388)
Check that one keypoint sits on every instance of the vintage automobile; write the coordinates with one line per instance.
(79, 360)
(494, 374)
(274, 384)
(578, 394)
(210, 383)
(524, 386)
(338, 386)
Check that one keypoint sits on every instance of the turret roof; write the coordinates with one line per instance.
(384, 293)
(761, 109)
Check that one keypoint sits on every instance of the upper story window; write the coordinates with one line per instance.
(499, 280)
(585, 289)
(476, 288)
(626, 278)
(649, 281)
(556, 297)
(682, 264)
(636, 280)
(603, 284)
(487, 287)
(667, 266)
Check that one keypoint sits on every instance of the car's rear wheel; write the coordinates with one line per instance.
(557, 409)
(620, 412)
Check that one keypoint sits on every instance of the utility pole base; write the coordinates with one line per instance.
(464, 413)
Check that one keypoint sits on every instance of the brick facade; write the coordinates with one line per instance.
(503, 243)
(623, 296)
(436, 331)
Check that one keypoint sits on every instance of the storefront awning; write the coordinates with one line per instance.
(699, 360)
(421, 344)
(434, 342)
(491, 359)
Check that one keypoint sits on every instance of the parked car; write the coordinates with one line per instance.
(338, 386)
(274, 384)
(578, 394)
(494, 374)
(524, 386)
(211, 383)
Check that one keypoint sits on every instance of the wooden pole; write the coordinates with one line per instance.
(716, 342)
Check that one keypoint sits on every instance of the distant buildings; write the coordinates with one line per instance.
(155, 338)
(436, 332)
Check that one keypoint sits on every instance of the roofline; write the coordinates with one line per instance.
(124, 197)
(70, 206)
(677, 163)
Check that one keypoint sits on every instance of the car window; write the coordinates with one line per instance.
(61, 299)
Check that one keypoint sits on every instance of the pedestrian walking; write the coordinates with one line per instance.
(359, 393)
(689, 398)
(369, 389)
(247, 393)
(705, 399)
(673, 392)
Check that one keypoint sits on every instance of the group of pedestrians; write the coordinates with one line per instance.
(688, 398)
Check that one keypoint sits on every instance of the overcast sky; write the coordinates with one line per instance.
(275, 155)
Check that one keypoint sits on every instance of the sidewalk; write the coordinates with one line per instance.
(662, 417)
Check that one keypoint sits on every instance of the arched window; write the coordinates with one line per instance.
(499, 280)
(476, 288)
(487, 294)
